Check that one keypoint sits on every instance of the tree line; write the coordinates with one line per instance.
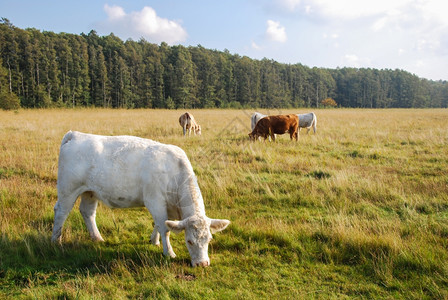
(45, 69)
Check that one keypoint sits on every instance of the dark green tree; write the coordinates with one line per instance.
(8, 100)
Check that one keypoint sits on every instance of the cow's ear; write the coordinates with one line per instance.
(175, 226)
(217, 225)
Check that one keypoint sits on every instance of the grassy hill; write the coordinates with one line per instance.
(359, 210)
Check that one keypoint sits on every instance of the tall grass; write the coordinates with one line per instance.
(358, 210)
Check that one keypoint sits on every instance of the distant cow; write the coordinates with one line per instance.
(187, 122)
(280, 124)
(307, 121)
(127, 171)
(256, 116)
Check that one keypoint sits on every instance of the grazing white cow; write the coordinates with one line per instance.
(187, 122)
(307, 121)
(127, 171)
(256, 116)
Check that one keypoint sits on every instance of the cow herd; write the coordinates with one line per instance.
(128, 171)
(262, 125)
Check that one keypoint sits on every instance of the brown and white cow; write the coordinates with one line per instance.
(187, 122)
(279, 124)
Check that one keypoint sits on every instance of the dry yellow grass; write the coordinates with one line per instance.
(360, 209)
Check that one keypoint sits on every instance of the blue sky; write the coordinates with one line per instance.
(404, 34)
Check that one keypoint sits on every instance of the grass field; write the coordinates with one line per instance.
(359, 210)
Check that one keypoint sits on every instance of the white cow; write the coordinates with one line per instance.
(256, 116)
(127, 171)
(187, 122)
(307, 121)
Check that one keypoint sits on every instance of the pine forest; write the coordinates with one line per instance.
(40, 69)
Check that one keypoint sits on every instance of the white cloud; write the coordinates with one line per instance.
(433, 10)
(333, 36)
(352, 60)
(382, 33)
(144, 23)
(255, 46)
(290, 5)
(381, 12)
(114, 12)
(308, 10)
(275, 32)
(354, 9)
(379, 24)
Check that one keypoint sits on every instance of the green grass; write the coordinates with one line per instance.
(359, 210)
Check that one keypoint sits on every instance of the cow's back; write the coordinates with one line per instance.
(187, 120)
(256, 116)
(263, 125)
(306, 120)
(117, 169)
(282, 123)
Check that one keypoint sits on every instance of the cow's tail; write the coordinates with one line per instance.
(314, 123)
(67, 137)
(188, 116)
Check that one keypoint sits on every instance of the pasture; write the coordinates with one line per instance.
(359, 210)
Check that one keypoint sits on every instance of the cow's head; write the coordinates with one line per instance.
(198, 234)
(253, 136)
(198, 130)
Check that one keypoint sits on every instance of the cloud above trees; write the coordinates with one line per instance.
(143, 24)
(406, 34)
(275, 32)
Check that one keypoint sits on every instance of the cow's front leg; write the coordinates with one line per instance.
(167, 249)
(160, 215)
(155, 237)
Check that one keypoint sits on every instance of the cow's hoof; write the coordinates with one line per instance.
(56, 240)
(97, 239)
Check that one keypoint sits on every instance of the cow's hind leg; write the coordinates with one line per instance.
(271, 133)
(61, 210)
(293, 134)
(88, 211)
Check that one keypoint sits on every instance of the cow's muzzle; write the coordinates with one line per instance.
(204, 263)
